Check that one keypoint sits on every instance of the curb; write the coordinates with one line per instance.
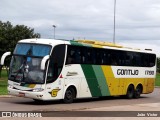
(6, 96)
(156, 86)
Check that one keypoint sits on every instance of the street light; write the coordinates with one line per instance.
(54, 30)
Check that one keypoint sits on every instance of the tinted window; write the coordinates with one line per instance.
(32, 49)
(98, 56)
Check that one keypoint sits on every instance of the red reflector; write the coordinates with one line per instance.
(61, 76)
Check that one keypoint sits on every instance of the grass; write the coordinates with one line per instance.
(3, 87)
(157, 82)
(4, 78)
(3, 83)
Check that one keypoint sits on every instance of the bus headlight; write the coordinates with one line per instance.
(38, 90)
(10, 86)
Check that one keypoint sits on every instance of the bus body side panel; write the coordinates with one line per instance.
(103, 81)
(74, 76)
(122, 81)
(100, 80)
(110, 80)
(95, 80)
(149, 85)
(54, 90)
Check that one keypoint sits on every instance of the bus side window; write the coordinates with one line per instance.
(138, 60)
(98, 57)
(83, 56)
(78, 56)
(144, 60)
(71, 55)
(108, 58)
(93, 56)
(113, 57)
(104, 57)
(121, 57)
(89, 56)
(131, 58)
(152, 59)
(134, 62)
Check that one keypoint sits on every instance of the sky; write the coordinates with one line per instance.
(137, 21)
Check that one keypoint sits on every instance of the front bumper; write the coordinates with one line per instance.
(27, 94)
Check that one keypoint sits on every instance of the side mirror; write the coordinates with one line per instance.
(4, 57)
(43, 62)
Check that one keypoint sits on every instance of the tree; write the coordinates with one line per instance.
(10, 35)
(158, 65)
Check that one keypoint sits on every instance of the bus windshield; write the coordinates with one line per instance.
(26, 61)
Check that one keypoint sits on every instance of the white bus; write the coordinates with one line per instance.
(47, 69)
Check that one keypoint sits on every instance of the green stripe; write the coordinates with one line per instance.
(91, 80)
(26, 85)
(101, 80)
(79, 44)
(75, 43)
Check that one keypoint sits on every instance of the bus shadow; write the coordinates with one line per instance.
(32, 102)
(82, 100)
(106, 98)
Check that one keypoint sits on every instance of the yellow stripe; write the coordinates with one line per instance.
(110, 80)
(97, 46)
(32, 85)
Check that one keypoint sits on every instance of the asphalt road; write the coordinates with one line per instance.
(25, 104)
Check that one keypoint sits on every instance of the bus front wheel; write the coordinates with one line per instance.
(130, 92)
(69, 95)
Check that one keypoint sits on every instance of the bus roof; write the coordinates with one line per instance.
(43, 41)
(108, 45)
(88, 43)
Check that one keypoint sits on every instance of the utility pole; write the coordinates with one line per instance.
(114, 29)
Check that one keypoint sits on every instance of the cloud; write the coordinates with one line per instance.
(142, 45)
(91, 19)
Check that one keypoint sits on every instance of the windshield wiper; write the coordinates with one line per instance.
(19, 71)
(23, 68)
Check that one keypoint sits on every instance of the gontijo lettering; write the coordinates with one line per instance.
(127, 72)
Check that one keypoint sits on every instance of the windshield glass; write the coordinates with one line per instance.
(26, 61)
(32, 50)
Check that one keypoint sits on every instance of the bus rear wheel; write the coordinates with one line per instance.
(138, 92)
(69, 95)
(130, 92)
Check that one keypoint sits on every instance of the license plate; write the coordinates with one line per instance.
(21, 94)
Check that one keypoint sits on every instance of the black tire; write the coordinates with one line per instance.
(69, 95)
(138, 92)
(130, 92)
